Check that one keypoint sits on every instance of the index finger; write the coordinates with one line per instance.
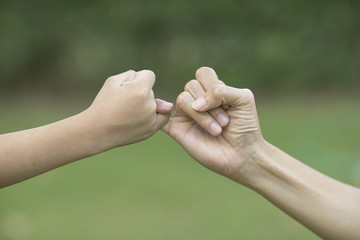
(208, 78)
(145, 77)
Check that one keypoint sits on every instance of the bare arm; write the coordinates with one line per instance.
(238, 151)
(124, 112)
(326, 206)
(31, 152)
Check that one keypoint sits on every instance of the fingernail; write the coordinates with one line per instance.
(222, 119)
(164, 103)
(215, 128)
(199, 103)
(167, 104)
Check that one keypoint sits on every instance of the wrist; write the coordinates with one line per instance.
(270, 168)
(258, 164)
(91, 132)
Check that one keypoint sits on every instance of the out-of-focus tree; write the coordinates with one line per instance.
(258, 44)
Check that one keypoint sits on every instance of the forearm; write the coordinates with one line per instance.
(328, 207)
(31, 152)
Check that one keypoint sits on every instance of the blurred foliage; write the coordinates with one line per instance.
(283, 44)
(140, 192)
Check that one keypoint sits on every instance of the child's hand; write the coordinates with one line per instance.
(125, 110)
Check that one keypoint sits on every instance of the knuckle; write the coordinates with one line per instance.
(191, 85)
(182, 99)
(202, 70)
(219, 82)
(150, 73)
(151, 106)
(142, 92)
(247, 95)
(110, 79)
(218, 91)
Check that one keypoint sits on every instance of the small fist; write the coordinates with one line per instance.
(125, 110)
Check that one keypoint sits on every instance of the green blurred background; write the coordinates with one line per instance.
(301, 59)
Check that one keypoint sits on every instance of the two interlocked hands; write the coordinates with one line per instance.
(216, 124)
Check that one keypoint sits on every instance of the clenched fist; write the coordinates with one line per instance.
(125, 110)
(216, 124)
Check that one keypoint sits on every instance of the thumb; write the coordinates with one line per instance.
(223, 95)
(163, 107)
(163, 110)
(162, 121)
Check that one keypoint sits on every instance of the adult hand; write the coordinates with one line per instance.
(326, 206)
(224, 150)
(125, 110)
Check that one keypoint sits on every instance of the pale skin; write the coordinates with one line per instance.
(238, 151)
(106, 124)
(216, 124)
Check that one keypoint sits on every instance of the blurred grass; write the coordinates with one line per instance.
(154, 190)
